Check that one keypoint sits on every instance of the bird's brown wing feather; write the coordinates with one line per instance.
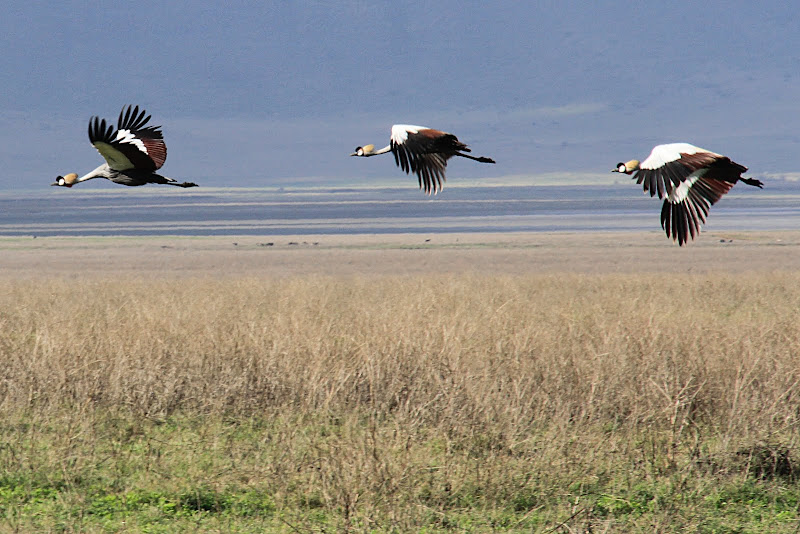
(132, 145)
(429, 167)
(425, 153)
(682, 219)
(662, 180)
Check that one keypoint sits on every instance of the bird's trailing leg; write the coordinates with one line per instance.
(480, 159)
(158, 179)
(752, 181)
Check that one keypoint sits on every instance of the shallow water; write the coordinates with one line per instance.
(166, 211)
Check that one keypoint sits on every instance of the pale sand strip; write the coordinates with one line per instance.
(400, 254)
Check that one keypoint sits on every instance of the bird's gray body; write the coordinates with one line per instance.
(134, 177)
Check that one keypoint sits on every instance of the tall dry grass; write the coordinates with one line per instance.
(506, 350)
(547, 373)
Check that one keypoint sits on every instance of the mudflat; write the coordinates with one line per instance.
(398, 254)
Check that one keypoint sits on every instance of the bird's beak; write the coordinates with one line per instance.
(54, 183)
(614, 170)
(354, 154)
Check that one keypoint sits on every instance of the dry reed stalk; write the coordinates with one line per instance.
(510, 351)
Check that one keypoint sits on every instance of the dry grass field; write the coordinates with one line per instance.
(536, 383)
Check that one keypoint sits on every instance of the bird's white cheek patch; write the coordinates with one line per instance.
(125, 136)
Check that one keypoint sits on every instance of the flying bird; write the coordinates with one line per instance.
(690, 180)
(133, 152)
(423, 151)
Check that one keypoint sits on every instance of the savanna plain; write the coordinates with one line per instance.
(401, 383)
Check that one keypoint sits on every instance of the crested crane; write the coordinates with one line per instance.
(423, 151)
(133, 152)
(690, 180)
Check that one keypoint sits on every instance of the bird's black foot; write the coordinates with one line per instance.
(187, 184)
(753, 182)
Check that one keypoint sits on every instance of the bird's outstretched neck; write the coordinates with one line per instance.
(480, 159)
(383, 150)
(367, 151)
(99, 172)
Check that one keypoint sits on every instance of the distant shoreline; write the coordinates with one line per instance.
(508, 253)
(487, 209)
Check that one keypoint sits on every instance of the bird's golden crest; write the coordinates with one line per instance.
(70, 178)
(368, 148)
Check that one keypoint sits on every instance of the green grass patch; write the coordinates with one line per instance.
(285, 474)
